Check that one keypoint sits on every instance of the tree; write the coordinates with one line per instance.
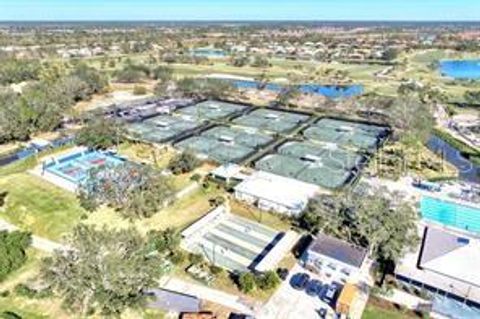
(472, 97)
(132, 73)
(390, 54)
(268, 280)
(204, 88)
(239, 60)
(95, 81)
(287, 95)
(167, 240)
(13, 70)
(164, 76)
(412, 119)
(133, 190)
(377, 221)
(260, 62)
(13, 246)
(184, 162)
(162, 73)
(246, 282)
(101, 133)
(105, 272)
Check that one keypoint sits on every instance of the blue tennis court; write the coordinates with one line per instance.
(74, 167)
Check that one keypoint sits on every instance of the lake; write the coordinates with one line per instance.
(461, 69)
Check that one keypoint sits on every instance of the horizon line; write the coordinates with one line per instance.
(239, 20)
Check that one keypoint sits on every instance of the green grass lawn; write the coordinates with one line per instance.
(380, 309)
(28, 309)
(38, 206)
(372, 312)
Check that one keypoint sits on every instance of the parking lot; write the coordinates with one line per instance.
(288, 303)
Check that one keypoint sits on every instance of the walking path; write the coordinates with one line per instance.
(37, 242)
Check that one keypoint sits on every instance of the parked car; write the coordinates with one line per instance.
(240, 316)
(313, 288)
(322, 312)
(299, 281)
(329, 293)
(282, 273)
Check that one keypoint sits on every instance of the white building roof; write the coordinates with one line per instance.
(446, 261)
(281, 190)
(452, 255)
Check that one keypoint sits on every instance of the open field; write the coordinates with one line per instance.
(38, 206)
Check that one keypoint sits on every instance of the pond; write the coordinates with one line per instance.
(468, 171)
(208, 53)
(461, 69)
(329, 91)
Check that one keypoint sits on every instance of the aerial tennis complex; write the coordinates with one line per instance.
(326, 152)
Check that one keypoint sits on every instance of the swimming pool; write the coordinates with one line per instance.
(330, 91)
(75, 167)
(451, 214)
(461, 69)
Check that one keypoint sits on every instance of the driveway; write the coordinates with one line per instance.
(288, 303)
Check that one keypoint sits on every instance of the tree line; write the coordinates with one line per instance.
(43, 105)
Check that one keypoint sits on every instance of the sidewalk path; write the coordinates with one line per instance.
(37, 242)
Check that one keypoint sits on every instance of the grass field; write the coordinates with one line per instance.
(380, 309)
(28, 308)
(38, 206)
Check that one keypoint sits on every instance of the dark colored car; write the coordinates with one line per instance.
(282, 273)
(313, 288)
(299, 281)
(322, 312)
(239, 316)
(332, 290)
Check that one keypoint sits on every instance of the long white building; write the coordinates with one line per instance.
(275, 193)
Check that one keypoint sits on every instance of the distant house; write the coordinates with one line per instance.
(334, 257)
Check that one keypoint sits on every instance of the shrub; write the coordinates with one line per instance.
(216, 270)
(139, 90)
(9, 315)
(246, 282)
(24, 291)
(195, 259)
(177, 257)
(269, 280)
(217, 201)
(183, 163)
(196, 177)
(4, 293)
(12, 251)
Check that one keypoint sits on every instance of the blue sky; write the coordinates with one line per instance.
(240, 10)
